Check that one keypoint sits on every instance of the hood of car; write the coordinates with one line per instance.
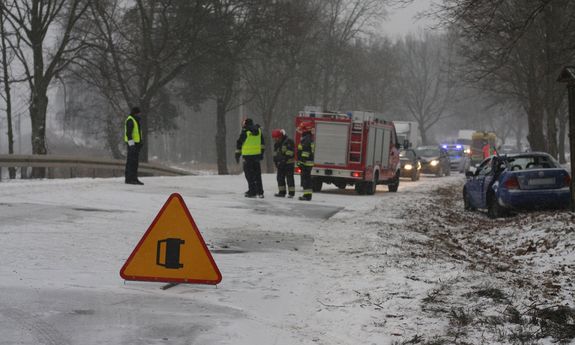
(429, 159)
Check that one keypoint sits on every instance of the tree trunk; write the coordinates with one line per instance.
(145, 116)
(562, 135)
(266, 133)
(7, 90)
(112, 138)
(38, 120)
(551, 132)
(535, 126)
(221, 147)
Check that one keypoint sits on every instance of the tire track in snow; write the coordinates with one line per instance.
(45, 333)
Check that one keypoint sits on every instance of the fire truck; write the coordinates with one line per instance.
(357, 148)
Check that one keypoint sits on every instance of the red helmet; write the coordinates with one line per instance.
(305, 126)
(278, 133)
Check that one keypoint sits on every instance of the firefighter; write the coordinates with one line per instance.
(133, 139)
(250, 146)
(284, 162)
(305, 151)
(487, 149)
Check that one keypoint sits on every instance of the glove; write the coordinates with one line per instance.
(238, 157)
(131, 143)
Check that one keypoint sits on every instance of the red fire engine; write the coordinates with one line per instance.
(357, 148)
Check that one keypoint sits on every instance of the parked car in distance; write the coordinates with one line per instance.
(523, 181)
(457, 156)
(410, 164)
(434, 160)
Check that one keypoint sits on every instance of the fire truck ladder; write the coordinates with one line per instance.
(355, 144)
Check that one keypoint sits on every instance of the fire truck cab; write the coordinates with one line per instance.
(356, 148)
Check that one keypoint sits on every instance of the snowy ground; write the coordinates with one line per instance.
(394, 268)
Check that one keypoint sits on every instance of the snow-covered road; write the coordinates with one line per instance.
(331, 271)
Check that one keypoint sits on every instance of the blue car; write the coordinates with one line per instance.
(524, 181)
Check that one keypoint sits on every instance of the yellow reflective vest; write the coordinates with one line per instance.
(135, 131)
(253, 144)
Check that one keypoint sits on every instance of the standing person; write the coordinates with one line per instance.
(250, 146)
(305, 151)
(284, 161)
(133, 139)
(488, 150)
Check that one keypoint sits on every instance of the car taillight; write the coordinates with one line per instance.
(297, 170)
(511, 183)
(356, 174)
(567, 181)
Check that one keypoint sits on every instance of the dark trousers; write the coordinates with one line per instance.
(132, 161)
(306, 181)
(253, 173)
(285, 173)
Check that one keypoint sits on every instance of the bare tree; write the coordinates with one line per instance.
(426, 80)
(143, 48)
(274, 58)
(39, 23)
(7, 59)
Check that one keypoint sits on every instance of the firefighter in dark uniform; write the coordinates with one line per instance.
(133, 139)
(305, 151)
(250, 146)
(284, 162)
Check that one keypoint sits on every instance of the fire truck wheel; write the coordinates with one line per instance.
(395, 184)
(360, 188)
(316, 185)
(372, 185)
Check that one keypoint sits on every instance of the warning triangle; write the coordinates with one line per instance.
(172, 250)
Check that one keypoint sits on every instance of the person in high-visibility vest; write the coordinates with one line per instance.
(133, 139)
(250, 146)
(305, 150)
(284, 161)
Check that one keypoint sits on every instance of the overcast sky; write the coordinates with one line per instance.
(404, 20)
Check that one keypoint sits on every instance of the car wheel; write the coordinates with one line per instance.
(494, 210)
(341, 185)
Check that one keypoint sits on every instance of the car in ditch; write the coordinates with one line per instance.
(525, 181)
(434, 160)
(410, 164)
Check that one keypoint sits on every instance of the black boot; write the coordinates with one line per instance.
(280, 195)
(305, 197)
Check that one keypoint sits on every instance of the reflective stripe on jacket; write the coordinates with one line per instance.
(306, 149)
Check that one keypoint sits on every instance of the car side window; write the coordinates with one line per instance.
(484, 168)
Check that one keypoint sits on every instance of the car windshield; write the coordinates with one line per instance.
(532, 162)
(428, 151)
(455, 152)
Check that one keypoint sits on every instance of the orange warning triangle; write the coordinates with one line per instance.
(172, 250)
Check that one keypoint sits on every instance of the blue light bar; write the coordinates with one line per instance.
(458, 146)
(444, 146)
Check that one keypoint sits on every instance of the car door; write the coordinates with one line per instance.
(476, 184)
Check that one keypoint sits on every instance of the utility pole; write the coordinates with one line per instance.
(568, 76)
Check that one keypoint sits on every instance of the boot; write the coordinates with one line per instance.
(280, 195)
(305, 197)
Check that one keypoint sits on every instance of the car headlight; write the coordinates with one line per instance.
(408, 167)
(434, 162)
